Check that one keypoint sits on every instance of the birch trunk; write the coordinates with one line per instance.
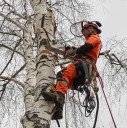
(31, 77)
(38, 111)
(45, 70)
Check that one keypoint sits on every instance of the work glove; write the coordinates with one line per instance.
(69, 51)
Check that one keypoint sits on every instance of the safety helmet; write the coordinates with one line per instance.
(95, 25)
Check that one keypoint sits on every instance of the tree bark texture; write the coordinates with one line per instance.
(38, 112)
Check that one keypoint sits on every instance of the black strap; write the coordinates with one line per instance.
(58, 123)
(85, 67)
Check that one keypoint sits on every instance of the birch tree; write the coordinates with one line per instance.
(37, 111)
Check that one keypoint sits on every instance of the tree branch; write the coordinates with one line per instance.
(12, 79)
(12, 21)
(10, 33)
(5, 84)
(2, 45)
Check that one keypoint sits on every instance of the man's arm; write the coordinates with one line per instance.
(84, 48)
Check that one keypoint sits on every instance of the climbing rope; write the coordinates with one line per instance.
(102, 86)
(97, 110)
(86, 104)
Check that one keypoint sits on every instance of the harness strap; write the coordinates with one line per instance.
(84, 65)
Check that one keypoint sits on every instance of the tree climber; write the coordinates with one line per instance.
(66, 78)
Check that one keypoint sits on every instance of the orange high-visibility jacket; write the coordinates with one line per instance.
(91, 48)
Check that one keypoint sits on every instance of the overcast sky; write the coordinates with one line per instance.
(112, 15)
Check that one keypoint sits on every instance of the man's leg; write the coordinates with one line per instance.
(65, 81)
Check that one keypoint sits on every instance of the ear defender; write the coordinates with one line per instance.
(97, 23)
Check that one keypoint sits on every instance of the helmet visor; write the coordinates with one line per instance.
(76, 28)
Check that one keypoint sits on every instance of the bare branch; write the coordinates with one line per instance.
(2, 45)
(12, 21)
(11, 32)
(62, 63)
(12, 79)
(16, 45)
(105, 52)
(14, 10)
(5, 84)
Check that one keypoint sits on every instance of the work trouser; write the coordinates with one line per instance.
(69, 74)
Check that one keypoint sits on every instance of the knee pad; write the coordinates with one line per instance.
(60, 77)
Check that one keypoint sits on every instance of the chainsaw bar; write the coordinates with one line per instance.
(55, 50)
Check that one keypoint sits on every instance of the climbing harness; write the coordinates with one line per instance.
(89, 103)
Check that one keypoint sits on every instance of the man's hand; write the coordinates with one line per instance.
(69, 51)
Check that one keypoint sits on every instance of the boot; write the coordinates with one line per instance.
(58, 98)
(49, 93)
(59, 103)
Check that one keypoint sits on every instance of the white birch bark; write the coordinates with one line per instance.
(31, 77)
(40, 115)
